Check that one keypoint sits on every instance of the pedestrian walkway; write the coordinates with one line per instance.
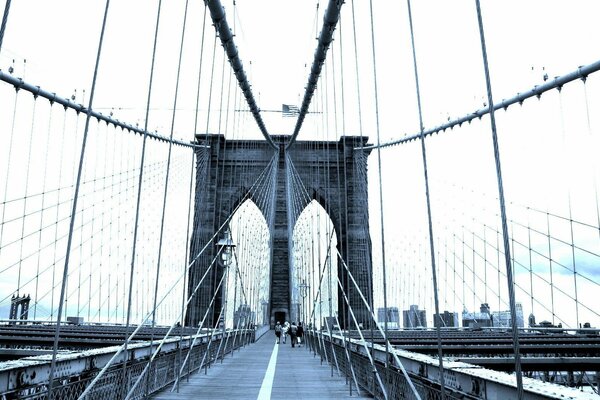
(265, 370)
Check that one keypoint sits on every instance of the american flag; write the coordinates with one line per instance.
(289, 111)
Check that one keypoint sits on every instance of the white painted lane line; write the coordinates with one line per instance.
(267, 383)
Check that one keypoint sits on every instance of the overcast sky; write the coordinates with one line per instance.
(276, 40)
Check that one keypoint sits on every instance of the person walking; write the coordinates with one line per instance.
(293, 331)
(278, 332)
(300, 334)
(284, 330)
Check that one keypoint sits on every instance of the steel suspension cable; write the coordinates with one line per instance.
(381, 219)
(428, 201)
(74, 208)
(404, 372)
(507, 256)
(219, 19)
(189, 225)
(191, 202)
(364, 342)
(594, 168)
(330, 19)
(4, 21)
(166, 184)
(306, 199)
(9, 158)
(345, 172)
(140, 181)
(359, 291)
(361, 138)
(29, 146)
(581, 72)
(166, 335)
(346, 316)
(190, 264)
(41, 222)
(37, 91)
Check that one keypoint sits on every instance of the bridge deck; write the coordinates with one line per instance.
(265, 370)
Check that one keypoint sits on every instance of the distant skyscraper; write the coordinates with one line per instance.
(393, 318)
(477, 319)
(446, 319)
(531, 319)
(414, 318)
(502, 318)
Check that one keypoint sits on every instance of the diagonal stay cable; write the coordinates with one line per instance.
(166, 335)
(4, 21)
(74, 207)
(269, 167)
(364, 343)
(400, 365)
(505, 234)
(200, 325)
(428, 204)
(303, 190)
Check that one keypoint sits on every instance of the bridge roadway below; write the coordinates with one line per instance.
(265, 370)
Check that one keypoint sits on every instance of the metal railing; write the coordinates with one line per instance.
(462, 380)
(28, 378)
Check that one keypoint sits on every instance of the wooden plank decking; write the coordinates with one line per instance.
(297, 375)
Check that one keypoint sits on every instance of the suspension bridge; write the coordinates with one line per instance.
(160, 215)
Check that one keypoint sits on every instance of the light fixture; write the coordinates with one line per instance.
(225, 245)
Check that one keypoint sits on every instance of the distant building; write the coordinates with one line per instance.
(242, 316)
(588, 330)
(393, 317)
(479, 319)
(502, 318)
(446, 319)
(531, 319)
(547, 325)
(414, 318)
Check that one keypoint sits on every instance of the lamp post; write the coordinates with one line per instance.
(303, 293)
(225, 246)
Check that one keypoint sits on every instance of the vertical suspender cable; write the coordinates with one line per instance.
(590, 133)
(427, 198)
(330, 19)
(27, 174)
(191, 201)
(166, 191)
(345, 223)
(217, 13)
(507, 255)
(74, 208)
(568, 149)
(368, 246)
(41, 228)
(139, 191)
(381, 220)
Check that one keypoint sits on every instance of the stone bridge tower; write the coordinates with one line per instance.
(333, 173)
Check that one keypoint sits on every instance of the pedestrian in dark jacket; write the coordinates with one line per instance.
(278, 331)
(300, 333)
(293, 331)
